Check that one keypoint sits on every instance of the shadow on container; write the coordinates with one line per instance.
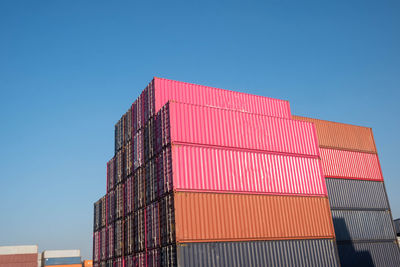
(348, 255)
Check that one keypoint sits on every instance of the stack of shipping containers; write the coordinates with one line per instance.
(360, 208)
(61, 258)
(208, 177)
(19, 256)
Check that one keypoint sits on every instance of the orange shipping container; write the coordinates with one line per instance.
(87, 263)
(211, 217)
(342, 136)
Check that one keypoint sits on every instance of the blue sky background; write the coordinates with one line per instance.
(70, 69)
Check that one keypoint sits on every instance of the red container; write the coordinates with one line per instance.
(196, 168)
(350, 165)
(164, 90)
(228, 128)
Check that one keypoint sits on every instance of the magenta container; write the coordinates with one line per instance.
(164, 90)
(236, 129)
(350, 165)
(199, 168)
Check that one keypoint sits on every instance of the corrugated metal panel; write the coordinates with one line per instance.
(382, 254)
(227, 128)
(356, 194)
(208, 217)
(350, 164)
(5, 250)
(362, 225)
(165, 90)
(259, 253)
(215, 169)
(342, 136)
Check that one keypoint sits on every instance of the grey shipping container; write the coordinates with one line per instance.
(62, 261)
(397, 226)
(319, 252)
(356, 194)
(383, 254)
(362, 225)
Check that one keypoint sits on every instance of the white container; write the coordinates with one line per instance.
(7, 250)
(61, 253)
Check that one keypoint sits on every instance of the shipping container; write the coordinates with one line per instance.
(96, 222)
(139, 230)
(382, 254)
(118, 238)
(154, 258)
(103, 209)
(350, 165)
(139, 189)
(151, 182)
(167, 220)
(70, 265)
(397, 226)
(138, 150)
(103, 247)
(297, 253)
(61, 253)
(152, 225)
(168, 256)
(140, 259)
(119, 262)
(214, 169)
(235, 129)
(128, 126)
(128, 161)
(19, 260)
(96, 246)
(110, 174)
(164, 171)
(62, 261)
(356, 194)
(342, 136)
(129, 233)
(110, 210)
(7, 250)
(110, 241)
(87, 263)
(119, 201)
(164, 90)
(119, 162)
(363, 225)
(209, 217)
(129, 195)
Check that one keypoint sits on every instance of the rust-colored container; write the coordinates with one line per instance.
(211, 217)
(342, 136)
(19, 260)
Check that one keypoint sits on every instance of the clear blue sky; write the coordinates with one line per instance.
(69, 69)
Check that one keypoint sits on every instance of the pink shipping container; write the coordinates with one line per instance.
(350, 165)
(196, 168)
(163, 90)
(228, 128)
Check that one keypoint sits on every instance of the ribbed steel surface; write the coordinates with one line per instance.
(60, 261)
(350, 164)
(356, 194)
(258, 253)
(342, 136)
(382, 254)
(209, 217)
(362, 225)
(214, 169)
(165, 90)
(228, 128)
